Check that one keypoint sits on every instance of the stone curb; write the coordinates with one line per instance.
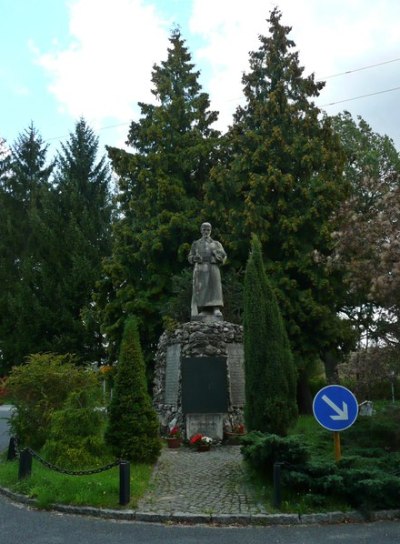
(218, 519)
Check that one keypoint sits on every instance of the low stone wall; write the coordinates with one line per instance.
(198, 339)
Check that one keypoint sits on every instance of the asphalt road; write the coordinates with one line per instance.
(19, 524)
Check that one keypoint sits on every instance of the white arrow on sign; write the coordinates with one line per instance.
(342, 413)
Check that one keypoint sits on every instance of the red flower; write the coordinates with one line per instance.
(174, 431)
(195, 438)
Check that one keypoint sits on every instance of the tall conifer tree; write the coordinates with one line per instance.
(281, 179)
(83, 224)
(160, 195)
(24, 189)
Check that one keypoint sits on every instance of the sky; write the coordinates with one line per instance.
(63, 59)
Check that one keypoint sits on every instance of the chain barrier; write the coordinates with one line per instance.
(17, 454)
(72, 472)
(25, 467)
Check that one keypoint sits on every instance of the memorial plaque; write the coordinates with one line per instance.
(207, 424)
(173, 364)
(204, 385)
(236, 374)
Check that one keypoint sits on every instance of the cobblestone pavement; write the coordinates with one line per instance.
(212, 482)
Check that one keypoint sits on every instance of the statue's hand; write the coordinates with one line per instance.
(219, 256)
(197, 258)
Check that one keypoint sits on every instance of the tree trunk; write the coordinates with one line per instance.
(330, 363)
(304, 397)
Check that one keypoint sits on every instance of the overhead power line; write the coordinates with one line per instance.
(347, 72)
(358, 69)
(361, 96)
(99, 129)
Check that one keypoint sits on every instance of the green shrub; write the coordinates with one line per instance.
(371, 489)
(381, 430)
(38, 388)
(76, 433)
(367, 477)
(263, 450)
(367, 481)
(365, 488)
(314, 477)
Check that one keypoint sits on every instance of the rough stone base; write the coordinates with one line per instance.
(198, 339)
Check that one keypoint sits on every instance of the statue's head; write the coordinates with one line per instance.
(205, 229)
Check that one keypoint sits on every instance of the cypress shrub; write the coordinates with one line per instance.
(269, 367)
(132, 430)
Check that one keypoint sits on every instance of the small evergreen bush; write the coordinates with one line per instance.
(371, 489)
(364, 488)
(362, 481)
(133, 428)
(76, 433)
(263, 450)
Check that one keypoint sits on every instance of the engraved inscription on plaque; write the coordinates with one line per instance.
(207, 424)
(172, 371)
(236, 374)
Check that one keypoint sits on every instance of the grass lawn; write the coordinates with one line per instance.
(48, 487)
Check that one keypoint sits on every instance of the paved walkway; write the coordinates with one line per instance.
(186, 481)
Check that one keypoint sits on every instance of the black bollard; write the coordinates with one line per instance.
(12, 449)
(124, 482)
(277, 485)
(25, 464)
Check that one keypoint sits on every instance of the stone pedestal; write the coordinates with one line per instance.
(199, 377)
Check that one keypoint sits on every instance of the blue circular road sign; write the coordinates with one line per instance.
(335, 408)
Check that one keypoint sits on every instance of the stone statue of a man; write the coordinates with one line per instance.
(206, 254)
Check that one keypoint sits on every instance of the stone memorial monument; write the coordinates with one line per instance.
(199, 366)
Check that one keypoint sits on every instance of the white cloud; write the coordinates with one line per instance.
(230, 30)
(106, 68)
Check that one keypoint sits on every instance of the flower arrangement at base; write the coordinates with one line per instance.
(233, 433)
(201, 442)
(174, 437)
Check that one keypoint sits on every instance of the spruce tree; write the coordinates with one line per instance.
(132, 430)
(82, 222)
(270, 373)
(24, 194)
(281, 178)
(160, 196)
(55, 233)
